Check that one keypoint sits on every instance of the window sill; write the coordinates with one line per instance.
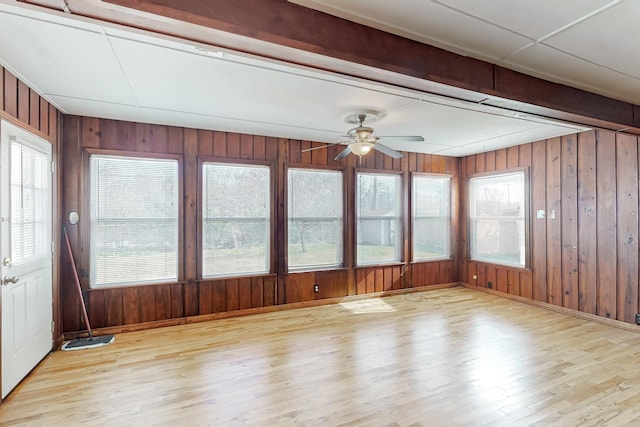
(498, 265)
(389, 264)
(426, 261)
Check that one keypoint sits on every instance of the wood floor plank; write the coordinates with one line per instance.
(450, 357)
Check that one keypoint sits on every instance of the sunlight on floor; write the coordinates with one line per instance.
(375, 305)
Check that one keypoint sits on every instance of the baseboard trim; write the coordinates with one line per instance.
(563, 310)
(250, 311)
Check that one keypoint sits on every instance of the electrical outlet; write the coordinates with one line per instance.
(475, 277)
(490, 285)
(316, 288)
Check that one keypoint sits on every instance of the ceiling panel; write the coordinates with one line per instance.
(608, 38)
(534, 19)
(74, 60)
(199, 84)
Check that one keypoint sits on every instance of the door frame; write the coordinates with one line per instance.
(56, 181)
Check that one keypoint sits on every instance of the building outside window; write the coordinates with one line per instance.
(378, 218)
(497, 220)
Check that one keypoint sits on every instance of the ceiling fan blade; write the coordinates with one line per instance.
(323, 146)
(401, 138)
(344, 153)
(388, 151)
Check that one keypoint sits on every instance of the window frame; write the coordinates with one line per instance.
(450, 242)
(526, 217)
(402, 220)
(85, 225)
(285, 231)
(271, 244)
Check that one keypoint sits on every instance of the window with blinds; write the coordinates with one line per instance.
(431, 203)
(379, 218)
(497, 219)
(236, 218)
(315, 218)
(30, 204)
(134, 220)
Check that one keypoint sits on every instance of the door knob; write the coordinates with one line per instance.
(7, 261)
(8, 280)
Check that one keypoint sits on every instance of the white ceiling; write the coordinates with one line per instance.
(97, 69)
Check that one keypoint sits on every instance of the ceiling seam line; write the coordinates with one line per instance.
(124, 74)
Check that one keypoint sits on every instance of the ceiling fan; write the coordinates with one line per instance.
(362, 140)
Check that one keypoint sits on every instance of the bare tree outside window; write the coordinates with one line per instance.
(235, 219)
(315, 218)
(431, 201)
(379, 218)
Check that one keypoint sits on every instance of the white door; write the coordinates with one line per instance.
(25, 252)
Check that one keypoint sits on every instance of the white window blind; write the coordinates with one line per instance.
(134, 220)
(315, 218)
(235, 219)
(431, 217)
(379, 218)
(497, 218)
(30, 206)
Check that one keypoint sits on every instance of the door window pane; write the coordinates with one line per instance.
(30, 204)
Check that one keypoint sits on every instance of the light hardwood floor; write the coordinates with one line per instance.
(438, 358)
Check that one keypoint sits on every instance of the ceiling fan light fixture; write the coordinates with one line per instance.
(360, 148)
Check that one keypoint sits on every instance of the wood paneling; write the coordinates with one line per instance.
(554, 222)
(627, 226)
(606, 224)
(584, 251)
(587, 256)
(569, 224)
(538, 189)
(193, 296)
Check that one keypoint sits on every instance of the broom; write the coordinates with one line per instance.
(90, 341)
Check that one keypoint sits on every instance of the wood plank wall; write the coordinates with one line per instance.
(24, 107)
(193, 297)
(586, 258)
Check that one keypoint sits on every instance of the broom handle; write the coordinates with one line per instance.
(77, 279)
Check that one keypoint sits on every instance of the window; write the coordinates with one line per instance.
(30, 204)
(497, 218)
(431, 217)
(379, 218)
(134, 220)
(235, 219)
(315, 218)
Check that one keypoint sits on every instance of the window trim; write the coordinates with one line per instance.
(402, 202)
(527, 216)
(285, 231)
(85, 225)
(412, 218)
(271, 247)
